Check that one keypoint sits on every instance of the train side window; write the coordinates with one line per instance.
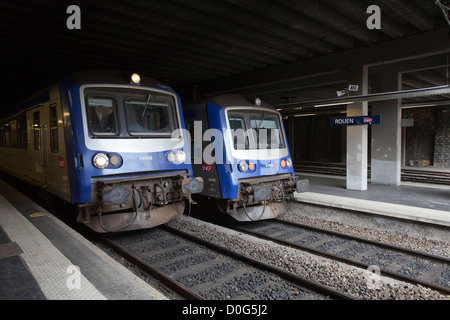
(6, 132)
(53, 128)
(36, 130)
(3, 128)
(13, 137)
(22, 131)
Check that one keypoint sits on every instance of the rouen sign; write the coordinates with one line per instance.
(355, 121)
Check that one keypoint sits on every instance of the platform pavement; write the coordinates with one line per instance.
(64, 265)
(411, 201)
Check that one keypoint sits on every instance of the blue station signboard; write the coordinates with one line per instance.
(355, 121)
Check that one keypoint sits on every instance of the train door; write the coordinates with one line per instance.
(55, 151)
(37, 146)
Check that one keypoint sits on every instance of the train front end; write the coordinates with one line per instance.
(130, 166)
(256, 174)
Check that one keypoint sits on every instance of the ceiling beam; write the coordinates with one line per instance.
(419, 45)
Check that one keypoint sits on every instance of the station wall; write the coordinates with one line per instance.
(312, 139)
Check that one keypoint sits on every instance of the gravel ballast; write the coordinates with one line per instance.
(360, 283)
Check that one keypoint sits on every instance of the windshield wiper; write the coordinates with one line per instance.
(145, 107)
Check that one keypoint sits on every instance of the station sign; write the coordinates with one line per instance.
(355, 121)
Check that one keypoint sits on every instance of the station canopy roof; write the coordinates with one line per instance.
(199, 47)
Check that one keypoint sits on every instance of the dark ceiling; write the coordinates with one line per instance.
(192, 44)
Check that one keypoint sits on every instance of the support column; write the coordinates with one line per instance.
(386, 137)
(357, 135)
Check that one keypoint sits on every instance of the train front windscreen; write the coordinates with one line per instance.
(130, 113)
(256, 130)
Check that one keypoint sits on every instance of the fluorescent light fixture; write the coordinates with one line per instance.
(306, 115)
(333, 104)
(419, 106)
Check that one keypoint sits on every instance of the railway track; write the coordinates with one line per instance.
(411, 175)
(400, 263)
(197, 269)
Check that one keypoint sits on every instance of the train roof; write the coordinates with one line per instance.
(232, 100)
(112, 77)
(81, 77)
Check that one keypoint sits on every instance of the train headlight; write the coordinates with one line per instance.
(176, 157)
(170, 156)
(180, 156)
(288, 162)
(243, 166)
(114, 160)
(100, 160)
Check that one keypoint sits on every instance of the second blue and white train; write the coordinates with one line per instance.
(239, 148)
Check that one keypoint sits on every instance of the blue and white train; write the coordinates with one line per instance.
(112, 145)
(239, 148)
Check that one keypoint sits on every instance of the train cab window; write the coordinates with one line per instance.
(152, 116)
(255, 130)
(239, 132)
(102, 116)
(268, 132)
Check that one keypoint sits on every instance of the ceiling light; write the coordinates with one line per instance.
(332, 104)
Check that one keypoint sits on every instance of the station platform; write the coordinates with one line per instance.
(426, 203)
(41, 258)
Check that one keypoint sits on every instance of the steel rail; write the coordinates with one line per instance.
(151, 271)
(332, 256)
(316, 287)
(374, 242)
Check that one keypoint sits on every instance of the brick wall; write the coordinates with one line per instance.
(420, 139)
(442, 138)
